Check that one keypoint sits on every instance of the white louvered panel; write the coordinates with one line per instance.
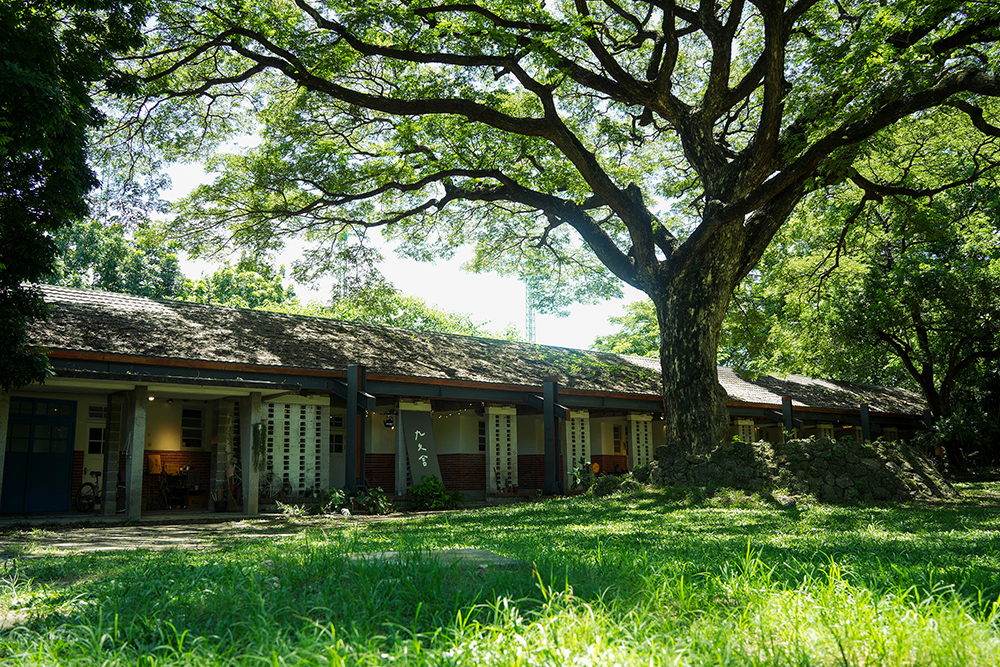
(501, 447)
(577, 440)
(640, 443)
(295, 441)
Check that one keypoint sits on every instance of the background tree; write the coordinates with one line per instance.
(94, 254)
(657, 142)
(51, 53)
(385, 305)
(249, 284)
(892, 277)
(639, 333)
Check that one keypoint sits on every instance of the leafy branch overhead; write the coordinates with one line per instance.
(584, 117)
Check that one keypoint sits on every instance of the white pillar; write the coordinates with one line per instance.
(250, 429)
(4, 418)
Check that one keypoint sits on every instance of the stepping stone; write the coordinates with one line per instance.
(480, 558)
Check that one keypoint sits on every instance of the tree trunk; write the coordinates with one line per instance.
(690, 314)
(940, 405)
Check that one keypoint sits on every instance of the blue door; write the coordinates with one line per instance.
(39, 460)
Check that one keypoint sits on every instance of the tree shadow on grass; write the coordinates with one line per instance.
(257, 594)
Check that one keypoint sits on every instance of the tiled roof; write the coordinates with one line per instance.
(120, 324)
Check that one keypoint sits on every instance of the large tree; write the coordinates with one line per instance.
(52, 52)
(662, 142)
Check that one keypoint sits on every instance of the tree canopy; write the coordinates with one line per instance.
(51, 54)
(94, 254)
(661, 143)
(896, 284)
(888, 284)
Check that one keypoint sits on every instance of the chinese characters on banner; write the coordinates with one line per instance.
(418, 434)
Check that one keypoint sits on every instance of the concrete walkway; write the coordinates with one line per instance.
(65, 534)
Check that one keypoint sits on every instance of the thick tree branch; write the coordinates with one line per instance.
(607, 61)
(853, 133)
(975, 115)
(875, 191)
(565, 212)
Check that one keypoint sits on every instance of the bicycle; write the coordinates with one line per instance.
(89, 494)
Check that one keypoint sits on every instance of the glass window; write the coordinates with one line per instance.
(95, 440)
(52, 409)
(59, 442)
(337, 433)
(43, 439)
(20, 436)
(618, 438)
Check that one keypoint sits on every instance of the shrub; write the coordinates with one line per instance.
(430, 494)
(583, 475)
(292, 511)
(630, 485)
(332, 500)
(643, 474)
(605, 485)
(374, 501)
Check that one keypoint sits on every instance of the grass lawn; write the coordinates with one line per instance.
(656, 578)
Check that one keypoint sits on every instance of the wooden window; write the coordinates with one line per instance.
(337, 434)
(618, 438)
(97, 416)
(192, 430)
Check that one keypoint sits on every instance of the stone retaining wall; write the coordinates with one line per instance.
(832, 471)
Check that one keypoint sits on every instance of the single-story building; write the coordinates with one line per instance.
(171, 399)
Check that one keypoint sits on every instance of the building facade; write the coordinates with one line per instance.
(182, 405)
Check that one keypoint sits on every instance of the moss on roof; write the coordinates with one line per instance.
(120, 324)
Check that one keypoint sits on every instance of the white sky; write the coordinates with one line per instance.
(486, 297)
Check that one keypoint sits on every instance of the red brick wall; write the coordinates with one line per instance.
(530, 471)
(198, 461)
(466, 472)
(612, 463)
(380, 470)
(77, 478)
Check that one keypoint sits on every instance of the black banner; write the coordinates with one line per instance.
(418, 433)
